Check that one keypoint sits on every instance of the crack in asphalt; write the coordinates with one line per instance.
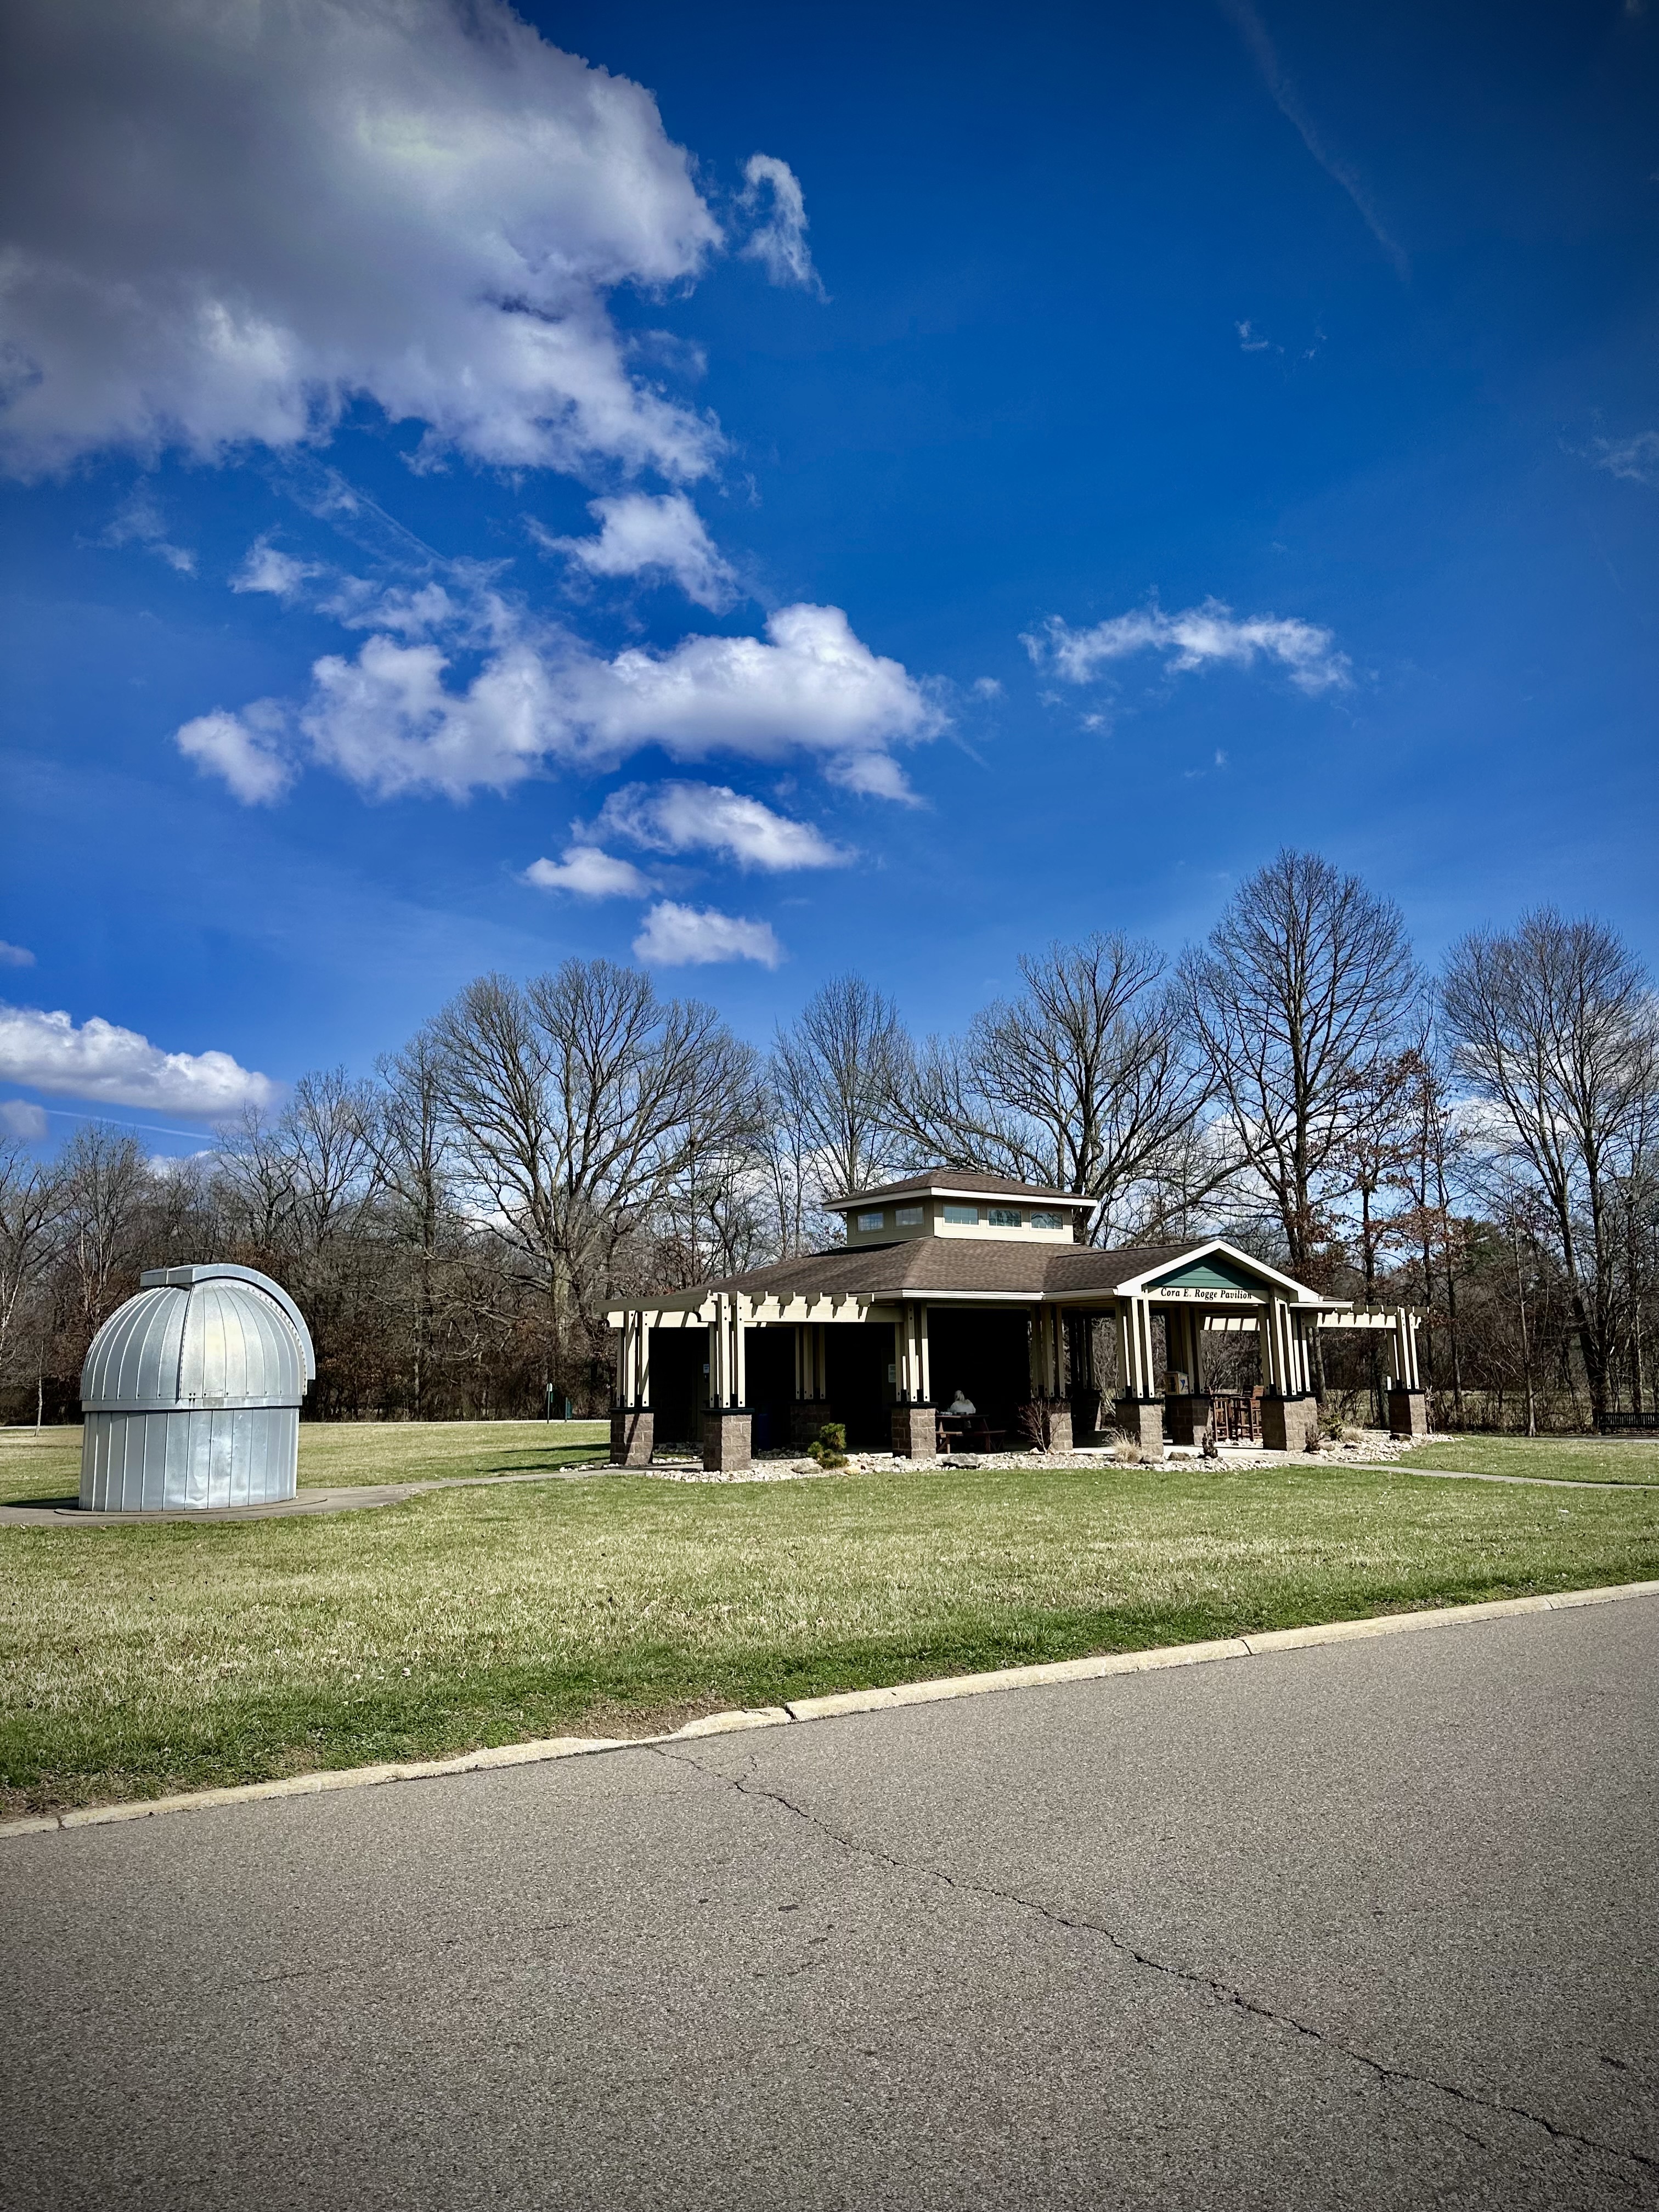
(1223, 1992)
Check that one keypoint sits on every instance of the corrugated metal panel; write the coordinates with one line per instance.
(192, 1393)
(190, 1460)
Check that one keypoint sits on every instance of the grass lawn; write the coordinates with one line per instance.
(1564, 1459)
(37, 1464)
(135, 1661)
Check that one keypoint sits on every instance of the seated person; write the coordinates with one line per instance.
(960, 1407)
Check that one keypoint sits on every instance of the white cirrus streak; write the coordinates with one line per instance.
(1209, 636)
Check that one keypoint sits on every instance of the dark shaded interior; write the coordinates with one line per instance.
(769, 1358)
(679, 1385)
(987, 1354)
(859, 1355)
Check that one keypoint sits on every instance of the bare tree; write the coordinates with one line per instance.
(412, 1141)
(31, 1203)
(1553, 1024)
(575, 1099)
(1084, 1082)
(327, 1131)
(106, 1184)
(1297, 997)
(835, 1071)
(253, 1183)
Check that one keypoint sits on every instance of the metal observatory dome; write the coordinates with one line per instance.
(191, 1395)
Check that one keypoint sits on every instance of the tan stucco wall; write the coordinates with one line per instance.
(933, 1223)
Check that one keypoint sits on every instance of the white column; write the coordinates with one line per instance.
(715, 1361)
(913, 1355)
(1126, 1383)
(740, 1355)
(1405, 1337)
(1267, 1329)
(924, 1359)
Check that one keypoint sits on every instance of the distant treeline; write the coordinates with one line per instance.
(1483, 1143)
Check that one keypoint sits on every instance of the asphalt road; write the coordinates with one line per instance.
(1366, 1924)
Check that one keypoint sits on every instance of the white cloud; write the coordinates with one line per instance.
(19, 1119)
(778, 244)
(268, 569)
(1636, 459)
(709, 817)
(810, 687)
(387, 722)
(675, 936)
(390, 722)
(243, 749)
(118, 1067)
(1199, 637)
(589, 873)
(227, 223)
(639, 534)
(15, 956)
(139, 522)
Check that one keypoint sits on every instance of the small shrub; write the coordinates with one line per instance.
(1033, 1423)
(1212, 1450)
(828, 1447)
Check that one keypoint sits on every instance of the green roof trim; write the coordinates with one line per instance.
(1215, 1272)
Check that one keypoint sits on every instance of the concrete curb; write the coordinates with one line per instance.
(830, 1708)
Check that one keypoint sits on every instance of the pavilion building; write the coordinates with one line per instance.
(956, 1283)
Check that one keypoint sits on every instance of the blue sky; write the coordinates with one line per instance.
(1173, 433)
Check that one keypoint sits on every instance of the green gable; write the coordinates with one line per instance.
(1215, 1272)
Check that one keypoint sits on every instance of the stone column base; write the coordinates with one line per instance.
(915, 1432)
(1141, 1421)
(633, 1432)
(1058, 1411)
(726, 1439)
(1408, 1414)
(1287, 1423)
(1189, 1418)
(1085, 1410)
(806, 1417)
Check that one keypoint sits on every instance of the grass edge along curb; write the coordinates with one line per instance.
(834, 1706)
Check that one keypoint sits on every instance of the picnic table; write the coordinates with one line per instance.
(968, 1432)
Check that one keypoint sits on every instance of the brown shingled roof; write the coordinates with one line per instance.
(945, 1180)
(965, 1265)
